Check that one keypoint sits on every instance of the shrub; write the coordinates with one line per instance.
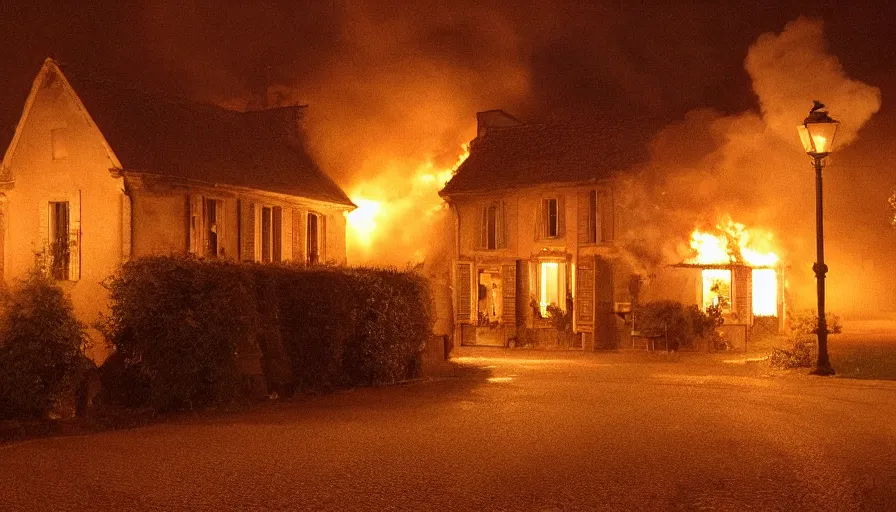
(681, 325)
(179, 326)
(348, 327)
(802, 341)
(806, 322)
(799, 355)
(176, 324)
(41, 349)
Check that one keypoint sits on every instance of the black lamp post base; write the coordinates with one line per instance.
(824, 371)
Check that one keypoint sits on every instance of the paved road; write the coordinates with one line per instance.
(538, 431)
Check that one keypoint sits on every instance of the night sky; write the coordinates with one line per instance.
(582, 57)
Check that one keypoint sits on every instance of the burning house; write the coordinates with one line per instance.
(735, 270)
(535, 223)
(97, 173)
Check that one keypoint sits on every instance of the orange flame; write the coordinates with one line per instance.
(378, 211)
(731, 243)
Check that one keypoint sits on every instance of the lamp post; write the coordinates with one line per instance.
(817, 134)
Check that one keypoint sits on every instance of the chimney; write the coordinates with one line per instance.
(489, 119)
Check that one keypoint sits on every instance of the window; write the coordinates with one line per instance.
(765, 292)
(60, 242)
(314, 238)
(551, 286)
(492, 227)
(717, 289)
(551, 218)
(270, 225)
(212, 217)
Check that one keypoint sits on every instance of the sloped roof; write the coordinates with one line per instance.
(179, 138)
(534, 154)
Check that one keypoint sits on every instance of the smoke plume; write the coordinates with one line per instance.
(751, 166)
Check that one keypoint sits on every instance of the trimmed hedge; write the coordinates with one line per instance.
(186, 326)
(41, 349)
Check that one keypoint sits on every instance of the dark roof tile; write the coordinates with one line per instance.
(205, 142)
(536, 154)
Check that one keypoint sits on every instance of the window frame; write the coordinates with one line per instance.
(214, 227)
(55, 236)
(315, 257)
(562, 284)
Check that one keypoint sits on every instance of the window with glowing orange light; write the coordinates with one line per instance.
(717, 289)
(551, 279)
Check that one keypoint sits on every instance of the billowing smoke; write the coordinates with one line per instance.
(390, 112)
(752, 167)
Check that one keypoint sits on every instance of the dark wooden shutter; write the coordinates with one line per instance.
(463, 292)
(247, 230)
(195, 236)
(582, 224)
(607, 216)
(605, 334)
(561, 217)
(508, 292)
(276, 232)
(500, 232)
(584, 306)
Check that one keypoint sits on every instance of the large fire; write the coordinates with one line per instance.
(731, 243)
(382, 215)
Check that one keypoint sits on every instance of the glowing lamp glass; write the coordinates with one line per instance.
(817, 133)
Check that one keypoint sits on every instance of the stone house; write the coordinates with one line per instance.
(96, 173)
(535, 233)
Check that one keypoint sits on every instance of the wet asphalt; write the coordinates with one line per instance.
(500, 431)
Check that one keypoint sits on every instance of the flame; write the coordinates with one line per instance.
(362, 220)
(732, 242)
(391, 222)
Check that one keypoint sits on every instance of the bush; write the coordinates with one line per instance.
(348, 327)
(803, 340)
(806, 322)
(41, 349)
(798, 356)
(176, 323)
(181, 325)
(681, 324)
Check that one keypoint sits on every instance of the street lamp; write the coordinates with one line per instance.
(817, 133)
